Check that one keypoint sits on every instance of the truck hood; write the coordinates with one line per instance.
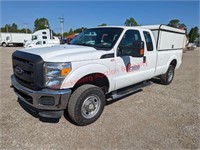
(66, 53)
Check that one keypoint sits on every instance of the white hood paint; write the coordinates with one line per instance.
(66, 53)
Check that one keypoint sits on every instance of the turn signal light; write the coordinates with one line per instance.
(141, 51)
(65, 71)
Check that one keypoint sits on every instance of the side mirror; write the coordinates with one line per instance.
(138, 49)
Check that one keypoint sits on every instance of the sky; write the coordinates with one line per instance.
(92, 13)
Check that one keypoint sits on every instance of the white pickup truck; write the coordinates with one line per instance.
(100, 64)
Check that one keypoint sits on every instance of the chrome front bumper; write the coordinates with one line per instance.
(44, 101)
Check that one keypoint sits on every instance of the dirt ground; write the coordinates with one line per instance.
(158, 117)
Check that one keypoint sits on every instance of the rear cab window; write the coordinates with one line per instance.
(148, 41)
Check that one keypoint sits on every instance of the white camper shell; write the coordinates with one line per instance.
(167, 37)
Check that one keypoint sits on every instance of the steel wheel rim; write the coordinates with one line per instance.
(90, 106)
(170, 75)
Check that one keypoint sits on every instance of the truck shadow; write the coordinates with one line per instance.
(67, 117)
(156, 80)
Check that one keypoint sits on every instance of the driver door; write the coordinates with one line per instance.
(131, 67)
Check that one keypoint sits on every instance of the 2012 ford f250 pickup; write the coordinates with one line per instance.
(99, 64)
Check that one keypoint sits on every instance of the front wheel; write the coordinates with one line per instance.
(167, 78)
(86, 104)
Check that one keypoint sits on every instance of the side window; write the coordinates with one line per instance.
(148, 40)
(44, 33)
(44, 37)
(126, 45)
(34, 37)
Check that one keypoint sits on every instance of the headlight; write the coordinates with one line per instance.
(55, 73)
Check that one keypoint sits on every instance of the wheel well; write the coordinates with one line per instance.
(97, 79)
(173, 63)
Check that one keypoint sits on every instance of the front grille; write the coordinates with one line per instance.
(27, 77)
(28, 69)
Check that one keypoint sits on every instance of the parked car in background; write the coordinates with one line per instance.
(197, 41)
(191, 46)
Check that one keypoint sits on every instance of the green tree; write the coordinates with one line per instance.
(174, 23)
(193, 34)
(24, 30)
(183, 27)
(64, 34)
(41, 23)
(79, 30)
(70, 31)
(131, 22)
(10, 28)
(103, 24)
(56, 34)
(14, 27)
(3, 29)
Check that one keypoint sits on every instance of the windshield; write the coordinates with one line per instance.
(99, 38)
(34, 37)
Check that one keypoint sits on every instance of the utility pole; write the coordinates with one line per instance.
(61, 26)
(45, 24)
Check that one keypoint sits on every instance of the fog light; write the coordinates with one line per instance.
(47, 100)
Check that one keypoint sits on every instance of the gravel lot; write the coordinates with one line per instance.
(158, 117)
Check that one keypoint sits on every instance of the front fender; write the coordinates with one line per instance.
(82, 71)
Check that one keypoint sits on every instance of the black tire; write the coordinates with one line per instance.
(167, 78)
(4, 44)
(86, 104)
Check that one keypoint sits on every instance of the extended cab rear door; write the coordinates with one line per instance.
(134, 69)
(150, 53)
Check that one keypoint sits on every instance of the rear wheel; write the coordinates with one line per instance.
(86, 104)
(167, 78)
(4, 44)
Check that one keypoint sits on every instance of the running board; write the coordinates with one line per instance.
(129, 90)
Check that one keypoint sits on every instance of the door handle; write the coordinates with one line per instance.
(144, 59)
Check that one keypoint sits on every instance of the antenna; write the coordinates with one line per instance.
(62, 26)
